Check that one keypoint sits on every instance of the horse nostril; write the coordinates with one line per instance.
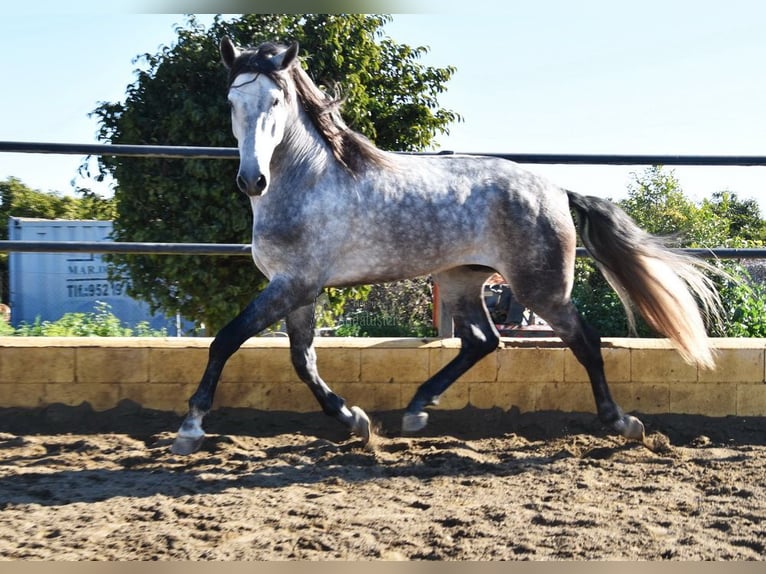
(260, 184)
(241, 184)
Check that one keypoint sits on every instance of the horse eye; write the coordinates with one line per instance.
(275, 103)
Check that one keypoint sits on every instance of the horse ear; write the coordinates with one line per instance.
(229, 51)
(282, 61)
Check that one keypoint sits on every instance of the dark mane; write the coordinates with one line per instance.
(256, 61)
(353, 150)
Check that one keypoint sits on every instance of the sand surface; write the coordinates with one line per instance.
(476, 485)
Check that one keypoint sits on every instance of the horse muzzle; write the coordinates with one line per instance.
(252, 186)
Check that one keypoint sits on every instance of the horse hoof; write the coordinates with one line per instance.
(630, 427)
(184, 445)
(414, 422)
(361, 425)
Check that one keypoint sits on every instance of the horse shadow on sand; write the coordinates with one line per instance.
(35, 470)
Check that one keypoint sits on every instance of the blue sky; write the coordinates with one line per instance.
(650, 77)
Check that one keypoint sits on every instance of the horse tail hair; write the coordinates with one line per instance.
(668, 288)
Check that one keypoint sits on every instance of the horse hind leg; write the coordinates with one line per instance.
(300, 325)
(548, 296)
(586, 346)
(461, 291)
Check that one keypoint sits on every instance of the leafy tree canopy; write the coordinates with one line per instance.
(657, 204)
(179, 99)
(743, 216)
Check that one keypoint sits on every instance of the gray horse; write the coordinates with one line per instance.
(331, 209)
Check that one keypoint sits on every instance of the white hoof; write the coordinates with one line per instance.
(184, 445)
(361, 425)
(414, 422)
(630, 427)
(190, 435)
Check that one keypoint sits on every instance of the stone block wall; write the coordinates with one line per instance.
(645, 375)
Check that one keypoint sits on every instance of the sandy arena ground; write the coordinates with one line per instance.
(477, 485)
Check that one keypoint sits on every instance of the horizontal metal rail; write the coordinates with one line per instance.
(195, 152)
(242, 249)
(164, 151)
(135, 248)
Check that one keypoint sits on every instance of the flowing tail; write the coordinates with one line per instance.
(668, 288)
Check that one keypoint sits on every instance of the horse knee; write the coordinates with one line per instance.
(479, 342)
(490, 343)
(225, 343)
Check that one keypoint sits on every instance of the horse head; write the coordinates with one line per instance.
(260, 107)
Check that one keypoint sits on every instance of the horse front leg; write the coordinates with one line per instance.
(300, 327)
(278, 299)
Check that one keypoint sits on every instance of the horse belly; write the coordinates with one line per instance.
(380, 253)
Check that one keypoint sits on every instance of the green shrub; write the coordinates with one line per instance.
(5, 329)
(99, 323)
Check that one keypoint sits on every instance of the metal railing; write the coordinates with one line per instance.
(192, 152)
(244, 249)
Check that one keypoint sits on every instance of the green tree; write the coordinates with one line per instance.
(179, 99)
(657, 203)
(742, 215)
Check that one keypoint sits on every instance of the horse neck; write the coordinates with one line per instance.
(303, 151)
